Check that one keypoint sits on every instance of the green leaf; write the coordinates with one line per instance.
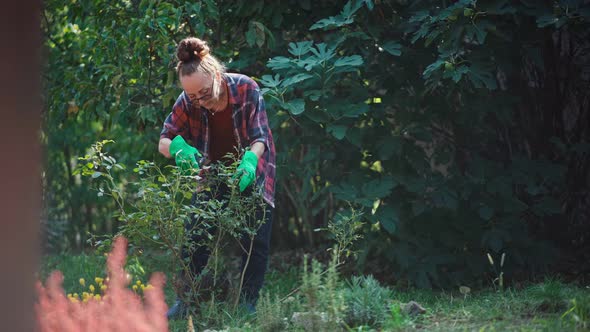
(419, 16)
(300, 48)
(322, 52)
(308, 63)
(378, 188)
(344, 191)
(313, 95)
(295, 79)
(393, 48)
(354, 110)
(344, 18)
(331, 22)
(354, 60)
(481, 78)
(318, 115)
(271, 82)
(279, 62)
(338, 131)
(459, 72)
(432, 67)
(295, 106)
(96, 174)
(259, 29)
(388, 218)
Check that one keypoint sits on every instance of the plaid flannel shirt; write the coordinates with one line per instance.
(250, 125)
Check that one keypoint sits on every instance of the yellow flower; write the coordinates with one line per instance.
(82, 282)
(103, 288)
(134, 288)
(138, 282)
(97, 297)
(91, 287)
(76, 295)
(98, 280)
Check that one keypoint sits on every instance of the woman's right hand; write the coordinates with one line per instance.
(184, 154)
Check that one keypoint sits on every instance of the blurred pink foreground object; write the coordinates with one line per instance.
(120, 309)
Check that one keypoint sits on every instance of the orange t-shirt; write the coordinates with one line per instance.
(221, 134)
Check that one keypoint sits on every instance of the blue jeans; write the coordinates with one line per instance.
(257, 265)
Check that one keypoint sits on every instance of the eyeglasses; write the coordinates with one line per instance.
(206, 95)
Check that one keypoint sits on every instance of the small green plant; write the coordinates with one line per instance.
(550, 296)
(396, 319)
(579, 312)
(310, 288)
(345, 231)
(270, 314)
(322, 290)
(366, 301)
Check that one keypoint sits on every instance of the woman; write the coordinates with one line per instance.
(215, 113)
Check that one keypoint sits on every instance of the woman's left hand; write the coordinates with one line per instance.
(247, 170)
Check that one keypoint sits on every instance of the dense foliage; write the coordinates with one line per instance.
(461, 127)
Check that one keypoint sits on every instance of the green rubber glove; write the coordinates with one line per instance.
(247, 170)
(184, 154)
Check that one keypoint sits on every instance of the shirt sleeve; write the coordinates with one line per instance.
(176, 122)
(258, 129)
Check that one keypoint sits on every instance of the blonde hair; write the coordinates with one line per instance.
(194, 56)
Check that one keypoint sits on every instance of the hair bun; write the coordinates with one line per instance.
(191, 49)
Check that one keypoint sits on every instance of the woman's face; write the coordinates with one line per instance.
(199, 89)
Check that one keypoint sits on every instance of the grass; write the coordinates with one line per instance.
(548, 306)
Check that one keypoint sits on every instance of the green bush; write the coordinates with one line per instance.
(155, 208)
(367, 302)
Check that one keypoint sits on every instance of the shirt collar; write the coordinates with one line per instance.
(232, 88)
